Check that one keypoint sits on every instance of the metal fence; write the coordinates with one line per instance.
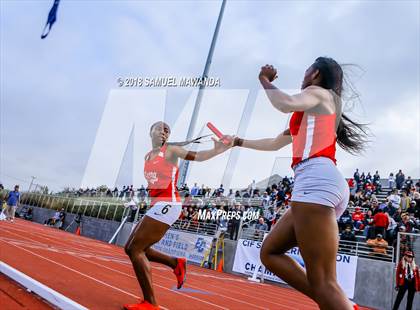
(361, 249)
(87, 207)
(109, 210)
(407, 242)
(202, 228)
(199, 200)
(112, 208)
(252, 234)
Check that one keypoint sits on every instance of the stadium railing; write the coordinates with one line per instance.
(111, 208)
(256, 201)
(360, 249)
(105, 210)
(87, 207)
(195, 227)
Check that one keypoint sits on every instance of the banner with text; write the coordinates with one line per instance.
(183, 244)
(247, 258)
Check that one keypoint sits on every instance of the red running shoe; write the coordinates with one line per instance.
(144, 305)
(180, 271)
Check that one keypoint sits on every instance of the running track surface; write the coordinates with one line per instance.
(13, 296)
(99, 276)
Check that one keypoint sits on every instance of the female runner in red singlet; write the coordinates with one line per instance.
(320, 192)
(161, 173)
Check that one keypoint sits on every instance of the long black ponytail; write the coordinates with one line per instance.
(351, 136)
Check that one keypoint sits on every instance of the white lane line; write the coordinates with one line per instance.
(40, 289)
(75, 271)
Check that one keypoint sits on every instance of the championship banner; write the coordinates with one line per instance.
(183, 244)
(247, 258)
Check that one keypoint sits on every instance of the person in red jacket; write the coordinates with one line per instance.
(407, 279)
(358, 218)
(352, 187)
(380, 222)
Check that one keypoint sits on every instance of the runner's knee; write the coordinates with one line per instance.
(322, 287)
(133, 248)
(266, 254)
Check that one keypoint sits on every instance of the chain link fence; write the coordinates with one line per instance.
(407, 242)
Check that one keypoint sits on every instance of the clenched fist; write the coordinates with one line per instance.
(268, 72)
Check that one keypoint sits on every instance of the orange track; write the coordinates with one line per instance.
(99, 276)
(13, 296)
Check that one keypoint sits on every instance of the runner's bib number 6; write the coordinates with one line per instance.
(165, 209)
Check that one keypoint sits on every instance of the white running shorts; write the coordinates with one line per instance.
(165, 211)
(317, 180)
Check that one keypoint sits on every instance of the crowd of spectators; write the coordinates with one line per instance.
(377, 214)
(268, 203)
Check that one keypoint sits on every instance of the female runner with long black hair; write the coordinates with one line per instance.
(320, 192)
(161, 173)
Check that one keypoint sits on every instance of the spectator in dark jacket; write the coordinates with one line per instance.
(376, 177)
(356, 176)
(406, 222)
(399, 179)
(416, 199)
(409, 183)
(29, 215)
(235, 223)
(412, 208)
(368, 232)
(344, 220)
(348, 234)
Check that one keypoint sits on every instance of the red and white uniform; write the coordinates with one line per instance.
(162, 177)
(317, 179)
(313, 135)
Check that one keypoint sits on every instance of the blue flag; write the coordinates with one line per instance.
(52, 17)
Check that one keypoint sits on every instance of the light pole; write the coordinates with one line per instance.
(32, 182)
(185, 164)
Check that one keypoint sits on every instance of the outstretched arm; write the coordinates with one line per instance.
(268, 144)
(180, 152)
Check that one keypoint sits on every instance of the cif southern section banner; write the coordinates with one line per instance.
(247, 258)
(183, 244)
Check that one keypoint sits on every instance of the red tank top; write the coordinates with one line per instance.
(313, 135)
(162, 177)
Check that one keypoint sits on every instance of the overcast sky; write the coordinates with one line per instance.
(55, 92)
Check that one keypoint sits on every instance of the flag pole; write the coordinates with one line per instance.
(185, 164)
